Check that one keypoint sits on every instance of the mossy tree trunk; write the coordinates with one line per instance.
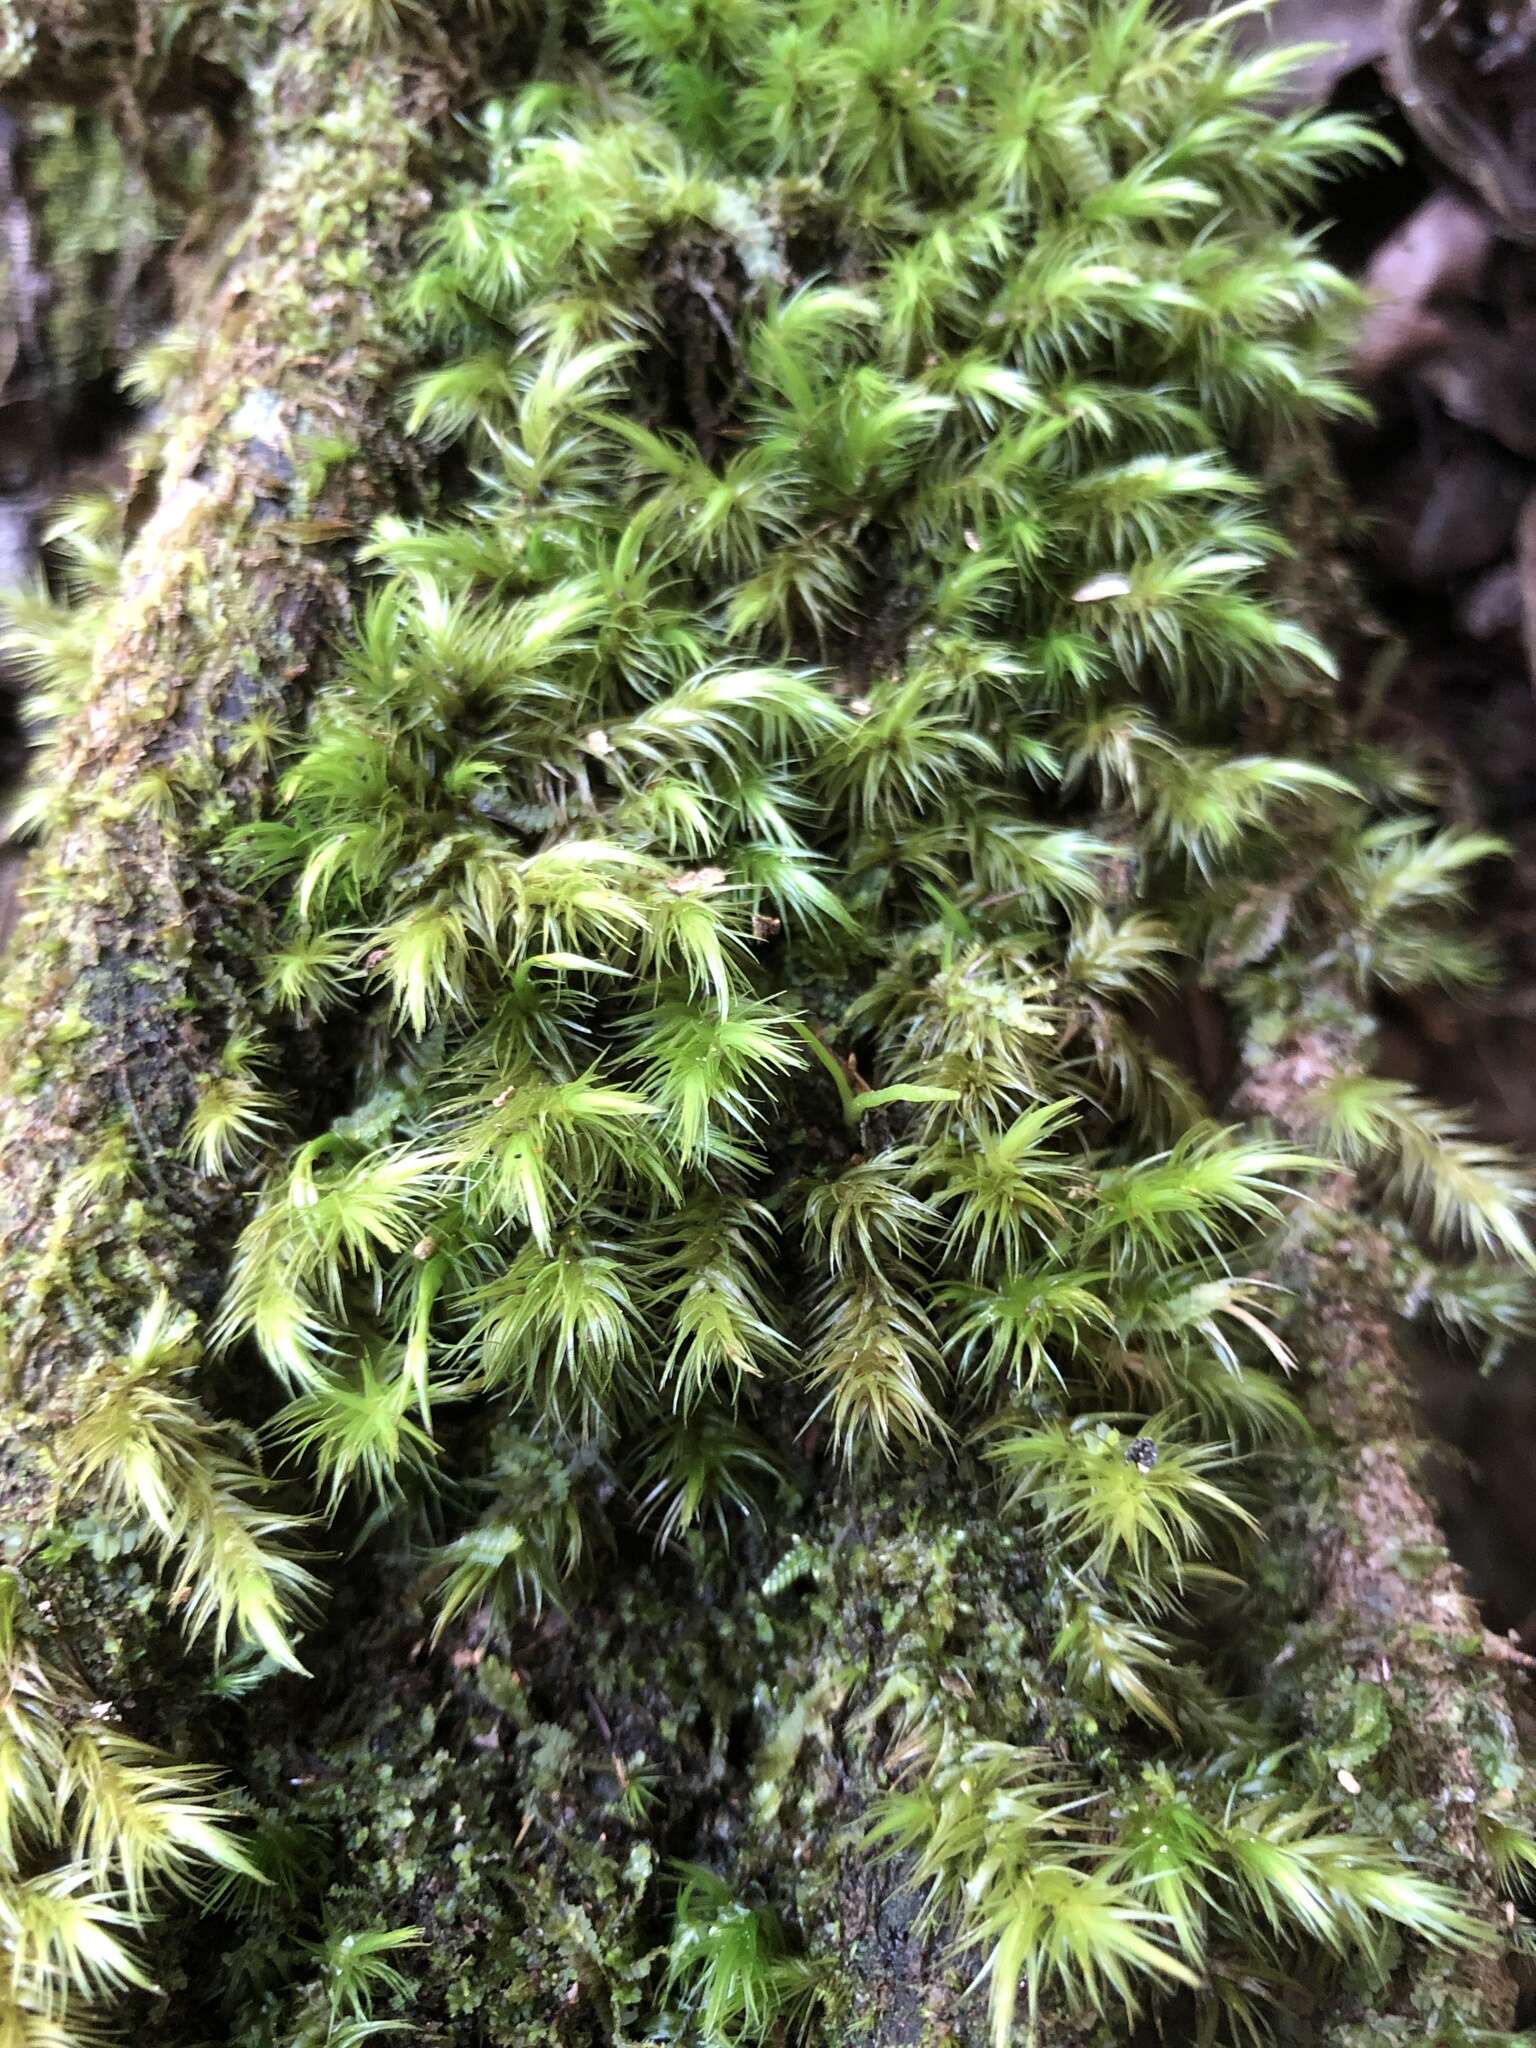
(275, 447)
(1389, 1628)
(495, 1795)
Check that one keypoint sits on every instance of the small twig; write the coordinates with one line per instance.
(126, 1098)
(1500, 1650)
(600, 1718)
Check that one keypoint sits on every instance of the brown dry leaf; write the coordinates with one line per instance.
(696, 882)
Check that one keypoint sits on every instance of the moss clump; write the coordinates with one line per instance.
(758, 822)
(746, 1706)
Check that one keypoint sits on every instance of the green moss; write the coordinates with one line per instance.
(745, 843)
(103, 214)
(592, 809)
(510, 1839)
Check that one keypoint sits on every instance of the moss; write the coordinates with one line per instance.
(135, 960)
(133, 969)
(731, 874)
(760, 1721)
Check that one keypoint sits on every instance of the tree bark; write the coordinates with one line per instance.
(1388, 1612)
(133, 963)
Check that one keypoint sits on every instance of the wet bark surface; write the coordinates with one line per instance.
(1388, 1607)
